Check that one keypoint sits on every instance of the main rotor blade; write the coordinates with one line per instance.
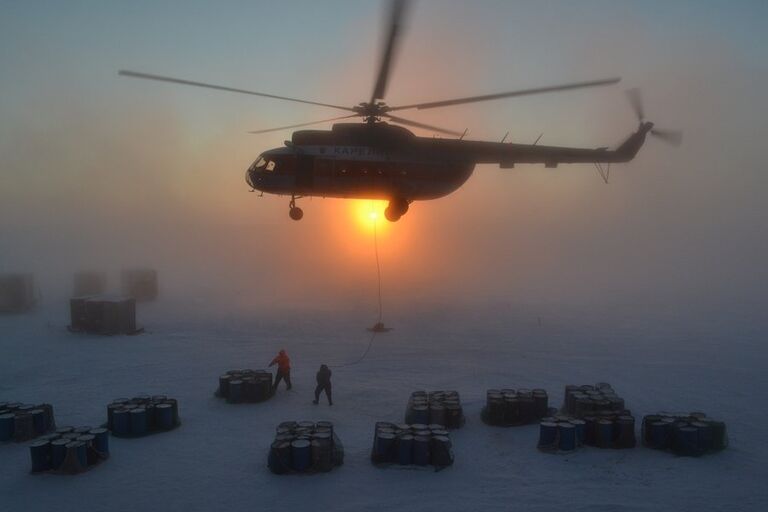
(673, 137)
(159, 78)
(416, 124)
(636, 100)
(397, 12)
(303, 124)
(522, 92)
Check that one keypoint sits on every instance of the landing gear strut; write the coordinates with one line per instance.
(294, 211)
(396, 209)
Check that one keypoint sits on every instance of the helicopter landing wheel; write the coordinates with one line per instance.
(396, 209)
(391, 214)
(296, 213)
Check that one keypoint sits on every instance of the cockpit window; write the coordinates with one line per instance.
(258, 164)
(270, 165)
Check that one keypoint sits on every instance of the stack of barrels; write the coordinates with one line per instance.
(566, 433)
(305, 447)
(70, 450)
(590, 399)
(412, 444)
(142, 415)
(690, 434)
(507, 407)
(245, 386)
(435, 407)
(22, 422)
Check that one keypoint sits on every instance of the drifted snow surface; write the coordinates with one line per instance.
(705, 360)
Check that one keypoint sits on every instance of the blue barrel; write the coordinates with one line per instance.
(80, 455)
(685, 440)
(164, 416)
(82, 430)
(605, 431)
(151, 425)
(175, 406)
(58, 452)
(138, 421)
(705, 436)
(547, 434)
(385, 447)
(235, 391)
(38, 420)
(437, 414)
(6, 426)
(101, 440)
(64, 430)
(567, 433)
(419, 414)
(659, 435)
(279, 460)
(121, 422)
(581, 430)
(301, 454)
(224, 385)
(405, 450)
(40, 452)
(421, 450)
(91, 454)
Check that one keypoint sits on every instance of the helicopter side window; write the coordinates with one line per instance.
(270, 165)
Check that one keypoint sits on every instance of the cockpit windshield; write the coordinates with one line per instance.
(263, 164)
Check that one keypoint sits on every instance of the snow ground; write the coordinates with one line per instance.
(656, 359)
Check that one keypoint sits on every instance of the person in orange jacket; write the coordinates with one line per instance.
(283, 363)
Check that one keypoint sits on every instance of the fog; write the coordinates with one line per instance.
(99, 172)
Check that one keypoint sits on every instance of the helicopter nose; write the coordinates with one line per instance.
(252, 178)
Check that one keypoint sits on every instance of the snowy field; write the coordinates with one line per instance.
(656, 359)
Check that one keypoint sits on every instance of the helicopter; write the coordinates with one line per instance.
(379, 160)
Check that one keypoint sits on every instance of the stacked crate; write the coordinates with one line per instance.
(435, 407)
(103, 314)
(509, 407)
(17, 293)
(70, 450)
(690, 434)
(416, 444)
(142, 415)
(305, 447)
(22, 422)
(245, 386)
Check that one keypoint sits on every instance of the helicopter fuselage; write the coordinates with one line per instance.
(382, 161)
(364, 163)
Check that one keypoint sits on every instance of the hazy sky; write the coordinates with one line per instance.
(98, 171)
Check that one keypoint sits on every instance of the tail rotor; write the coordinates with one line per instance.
(673, 137)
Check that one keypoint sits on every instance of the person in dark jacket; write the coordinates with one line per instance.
(283, 363)
(323, 384)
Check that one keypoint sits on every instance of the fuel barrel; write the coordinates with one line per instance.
(121, 422)
(138, 421)
(421, 450)
(164, 416)
(40, 453)
(567, 434)
(547, 434)
(405, 450)
(235, 391)
(58, 452)
(7, 421)
(101, 440)
(301, 455)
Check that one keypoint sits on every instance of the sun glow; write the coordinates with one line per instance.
(369, 213)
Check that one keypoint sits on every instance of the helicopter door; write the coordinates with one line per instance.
(305, 178)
